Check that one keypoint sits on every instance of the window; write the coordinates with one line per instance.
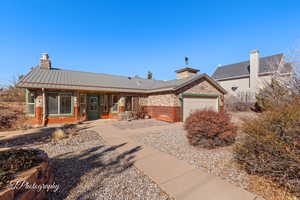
(82, 101)
(65, 104)
(115, 104)
(128, 103)
(59, 103)
(93, 103)
(30, 102)
(52, 103)
(234, 88)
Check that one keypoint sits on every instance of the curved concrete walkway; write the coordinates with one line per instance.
(177, 178)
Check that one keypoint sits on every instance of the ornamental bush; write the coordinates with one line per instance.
(272, 146)
(209, 129)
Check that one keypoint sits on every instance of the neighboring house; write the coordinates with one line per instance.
(244, 79)
(64, 96)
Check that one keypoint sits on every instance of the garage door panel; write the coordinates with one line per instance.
(192, 104)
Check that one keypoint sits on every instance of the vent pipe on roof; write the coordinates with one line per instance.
(186, 60)
(45, 63)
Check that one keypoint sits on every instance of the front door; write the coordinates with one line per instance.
(93, 107)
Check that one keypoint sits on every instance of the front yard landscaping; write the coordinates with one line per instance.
(219, 161)
(86, 168)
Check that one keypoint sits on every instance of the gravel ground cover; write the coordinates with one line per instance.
(218, 162)
(136, 124)
(86, 168)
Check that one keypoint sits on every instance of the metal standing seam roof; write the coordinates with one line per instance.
(267, 64)
(76, 80)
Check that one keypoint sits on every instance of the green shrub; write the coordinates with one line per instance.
(209, 129)
(272, 146)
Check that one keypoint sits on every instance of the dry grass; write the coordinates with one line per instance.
(58, 134)
(268, 189)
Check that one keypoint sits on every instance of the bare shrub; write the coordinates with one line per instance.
(235, 104)
(138, 110)
(273, 95)
(12, 93)
(209, 129)
(272, 146)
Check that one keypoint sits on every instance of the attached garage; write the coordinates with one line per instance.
(191, 103)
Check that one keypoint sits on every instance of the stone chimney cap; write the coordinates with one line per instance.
(44, 56)
(254, 51)
(187, 69)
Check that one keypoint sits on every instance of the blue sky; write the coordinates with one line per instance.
(131, 37)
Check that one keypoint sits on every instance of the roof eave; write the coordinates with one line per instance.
(212, 81)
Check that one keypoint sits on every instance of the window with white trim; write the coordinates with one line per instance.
(30, 102)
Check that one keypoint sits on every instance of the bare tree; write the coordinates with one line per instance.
(11, 93)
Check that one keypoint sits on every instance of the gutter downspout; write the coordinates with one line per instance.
(44, 107)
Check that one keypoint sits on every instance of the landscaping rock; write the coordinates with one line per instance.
(86, 168)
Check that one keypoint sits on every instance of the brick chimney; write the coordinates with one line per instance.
(254, 69)
(45, 63)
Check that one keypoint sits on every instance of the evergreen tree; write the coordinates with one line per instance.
(149, 75)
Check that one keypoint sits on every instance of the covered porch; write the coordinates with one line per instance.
(65, 106)
(106, 106)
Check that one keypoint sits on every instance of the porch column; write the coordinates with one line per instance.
(122, 104)
(39, 108)
(44, 107)
(76, 106)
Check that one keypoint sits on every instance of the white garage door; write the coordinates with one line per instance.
(191, 104)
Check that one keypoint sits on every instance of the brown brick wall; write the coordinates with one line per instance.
(163, 99)
(165, 113)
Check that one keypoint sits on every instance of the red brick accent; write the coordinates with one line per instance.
(39, 115)
(165, 113)
(76, 113)
(38, 119)
(109, 116)
(121, 108)
(60, 120)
